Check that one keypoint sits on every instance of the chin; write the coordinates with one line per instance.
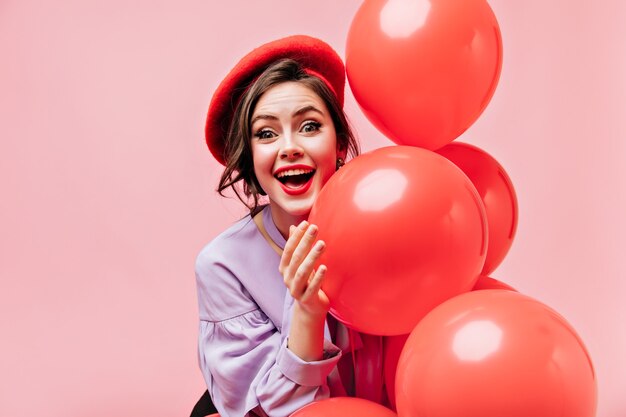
(300, 211)
(296, 208)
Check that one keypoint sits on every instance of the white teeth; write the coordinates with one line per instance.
(290, 172)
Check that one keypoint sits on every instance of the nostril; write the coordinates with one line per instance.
(291, 154)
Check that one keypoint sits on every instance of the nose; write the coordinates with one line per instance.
(290, 149)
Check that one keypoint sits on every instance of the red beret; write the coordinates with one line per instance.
(316, 56)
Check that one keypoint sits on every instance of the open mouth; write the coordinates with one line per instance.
(295, 178)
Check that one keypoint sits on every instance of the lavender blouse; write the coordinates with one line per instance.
(245, 312)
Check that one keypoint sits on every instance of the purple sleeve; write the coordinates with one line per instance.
(244, 358)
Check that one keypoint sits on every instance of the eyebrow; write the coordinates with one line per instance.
(298, 112)
(307, 109)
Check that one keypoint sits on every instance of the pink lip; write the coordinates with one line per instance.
(301, 189)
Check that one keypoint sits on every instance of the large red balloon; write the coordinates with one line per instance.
(393, 345)
(343, 407)
(495, 353)
(405, 230)
(423, 70)
(498, 195)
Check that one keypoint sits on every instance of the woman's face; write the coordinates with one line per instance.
(294, 148)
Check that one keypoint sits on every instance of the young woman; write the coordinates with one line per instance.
(267, 345)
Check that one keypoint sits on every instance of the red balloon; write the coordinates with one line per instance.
(495, 353)
(392, 347)
(343, 407)
(423, 71)
(488, 283)
(405, 230)
(498, 195)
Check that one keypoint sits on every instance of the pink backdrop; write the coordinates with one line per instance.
(107, 187)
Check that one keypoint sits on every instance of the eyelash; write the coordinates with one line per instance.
(260, 133)
(314, 124)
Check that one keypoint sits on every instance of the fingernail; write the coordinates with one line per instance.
(303, 224)
(312, 230)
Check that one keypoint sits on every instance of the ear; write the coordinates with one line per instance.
(342, 152)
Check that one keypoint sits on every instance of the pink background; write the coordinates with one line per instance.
(107, 187)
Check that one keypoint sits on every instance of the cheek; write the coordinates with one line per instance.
(330, 154)
(327, 149)
(261, 159)
(329, 162)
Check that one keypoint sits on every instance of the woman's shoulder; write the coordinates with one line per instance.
(238, 270)
(221, 293)
(229, 243)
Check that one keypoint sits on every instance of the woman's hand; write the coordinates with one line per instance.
(297, 267)
(306, 336)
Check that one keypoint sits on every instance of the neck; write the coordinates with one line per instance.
(283, 221)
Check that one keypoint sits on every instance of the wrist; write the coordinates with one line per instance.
(309, 316)
(306, 336)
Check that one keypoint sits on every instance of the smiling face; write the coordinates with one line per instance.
(294, 149)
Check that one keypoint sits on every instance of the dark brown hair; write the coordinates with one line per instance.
(239, 172)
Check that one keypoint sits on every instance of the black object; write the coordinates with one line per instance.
(204, 406)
